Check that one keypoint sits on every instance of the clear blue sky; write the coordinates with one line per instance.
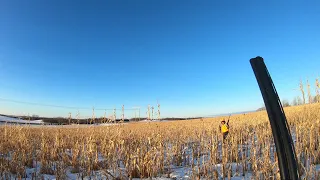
(192, 56)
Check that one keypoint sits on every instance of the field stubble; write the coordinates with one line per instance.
(158, 149)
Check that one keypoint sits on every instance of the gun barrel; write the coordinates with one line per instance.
(280, 129)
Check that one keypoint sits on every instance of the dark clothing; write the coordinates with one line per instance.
(225, 135)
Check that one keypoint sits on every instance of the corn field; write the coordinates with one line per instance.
(162, 150)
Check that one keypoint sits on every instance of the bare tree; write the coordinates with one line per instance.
(302, 92)
(285, 103)
(297, 101)
(310, 100)
(317, 91)
(316, 99)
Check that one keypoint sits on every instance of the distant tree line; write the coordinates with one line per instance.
(306, 95)
(66, 121)
(297, 101)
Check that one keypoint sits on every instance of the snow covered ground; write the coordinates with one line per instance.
(144, 121)
(11, 120)
(184, 172)
(174, 172)
(4, 119)
(177, 173)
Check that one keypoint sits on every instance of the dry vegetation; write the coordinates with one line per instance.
(142, 150)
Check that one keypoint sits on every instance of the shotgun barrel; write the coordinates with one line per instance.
(281, 132)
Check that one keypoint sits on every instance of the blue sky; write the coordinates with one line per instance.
(192, 56)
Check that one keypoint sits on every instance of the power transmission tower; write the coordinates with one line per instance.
(135, 112)
(122, 116)
(114, 115)
(104, 116)
(148, 113)
(93, 117)
(78, 117)
(152, 108)
(135, 115)
(158, 110)
(69, 118)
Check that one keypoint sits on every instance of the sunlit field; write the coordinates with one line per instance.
(190, 149)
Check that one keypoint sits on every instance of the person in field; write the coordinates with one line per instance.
(224, 129)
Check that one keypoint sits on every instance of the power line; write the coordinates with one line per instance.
(56, 106)
(39, 104)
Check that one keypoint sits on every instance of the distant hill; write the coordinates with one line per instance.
(234, 113)
(15, 120)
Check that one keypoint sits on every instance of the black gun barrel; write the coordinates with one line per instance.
(281, 132)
